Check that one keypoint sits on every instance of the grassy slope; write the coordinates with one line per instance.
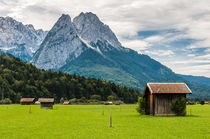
(88, 122)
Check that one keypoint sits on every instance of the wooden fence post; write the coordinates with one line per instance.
(30, 109)
(110, 119)
(103, 111)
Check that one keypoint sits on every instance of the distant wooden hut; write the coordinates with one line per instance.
(65, 102)
(37, 103)
(160, 97)
(206, 102)
(46, 103)
(27, 101)
(108, 103)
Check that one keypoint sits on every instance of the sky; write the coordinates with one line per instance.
(173, 32)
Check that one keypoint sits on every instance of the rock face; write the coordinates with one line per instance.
(88, 47)
(20, 40)
(91, 29)
(62, 44)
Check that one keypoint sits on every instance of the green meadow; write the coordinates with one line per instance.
(93, 122)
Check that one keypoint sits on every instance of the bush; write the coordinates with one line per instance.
(82, 100)
(62, 100)
(202, 102)
(118, 102)
(141, 106)
(72, 101)
(6, 101)
(111, 98)
(95, 97)
(179, 106)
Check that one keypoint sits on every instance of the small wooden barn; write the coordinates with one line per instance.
(66, 103)
(160, 97)
(27, 101)
(46, 103)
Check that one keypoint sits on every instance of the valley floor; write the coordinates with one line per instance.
(88, 121)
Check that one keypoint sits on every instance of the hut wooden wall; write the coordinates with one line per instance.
(149, 102)
(46, 105)
(163, 103)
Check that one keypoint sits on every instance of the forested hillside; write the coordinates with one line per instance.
(20, 79)
(197, 79)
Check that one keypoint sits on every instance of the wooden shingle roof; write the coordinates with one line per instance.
(168, 88)
(46, 100)
(27, 100)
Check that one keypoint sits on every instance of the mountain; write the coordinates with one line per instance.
(197, 79)
(92, 30)
(20, 40)
(89, 48)
(62, 44)
(20, 79)
(5, 54)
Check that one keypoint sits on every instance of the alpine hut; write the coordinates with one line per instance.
(160, 97)
(46, 103)
(27, 101)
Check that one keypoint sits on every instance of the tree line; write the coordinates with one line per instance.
(21, 79)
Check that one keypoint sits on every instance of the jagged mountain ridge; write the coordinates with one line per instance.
(65, 41)
(20, 40)
(62, 44)
(102, 56)
(91, 29)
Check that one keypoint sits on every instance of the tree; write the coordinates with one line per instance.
(21, 79)
(141, 106)
(179, 106)
(202, 102)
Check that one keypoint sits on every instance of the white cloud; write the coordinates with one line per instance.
(137, 45)
(198, 70)
(160, 52)
(154, 38)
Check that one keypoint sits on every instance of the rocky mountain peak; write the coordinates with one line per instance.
(18, 39)
(62, 44)
(30, 26)
(91, 29)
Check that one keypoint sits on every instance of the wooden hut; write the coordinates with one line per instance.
(65, 102)
(46, 103)
(160, 97)
(27, 101)
(37, 103)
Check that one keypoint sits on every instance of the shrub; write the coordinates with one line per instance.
(141, 106)
(118, 102)
(72, 101)
(95, 97)
(111, 98)
(179, 106)
(82, 100)
(6, 101)
(202, 102)
(62, 100)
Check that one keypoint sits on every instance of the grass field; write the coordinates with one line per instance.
(88, 121)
